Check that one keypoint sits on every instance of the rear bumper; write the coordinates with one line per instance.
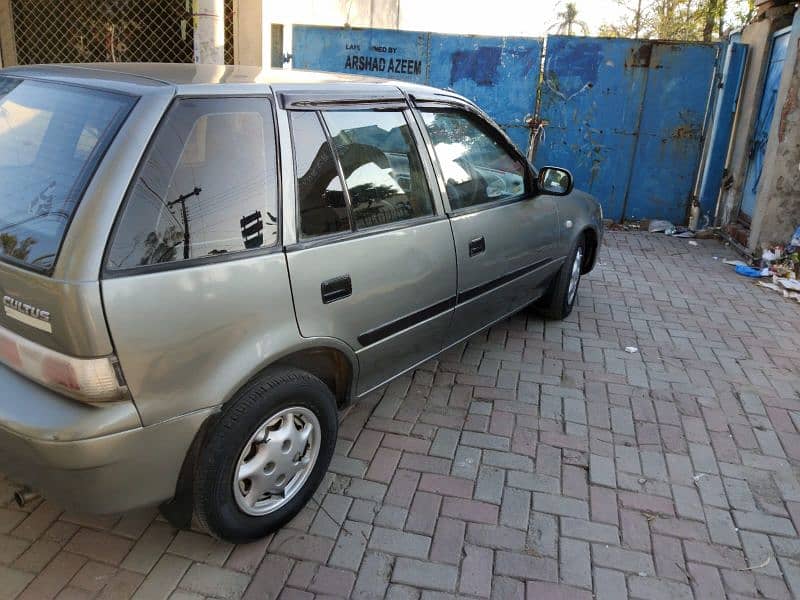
(87, 458)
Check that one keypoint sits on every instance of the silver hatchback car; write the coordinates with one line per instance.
(199, 265)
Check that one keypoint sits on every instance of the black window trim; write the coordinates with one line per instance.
(108, 273)
(454, 104)
(355, 233)
(88, 171)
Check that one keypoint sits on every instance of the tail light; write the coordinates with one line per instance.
(88, 380)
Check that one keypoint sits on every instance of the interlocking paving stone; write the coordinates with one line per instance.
(537, 457)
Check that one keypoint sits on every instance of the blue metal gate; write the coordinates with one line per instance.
(626, 116)
(726, 106)
(780, 46)
(500, 74)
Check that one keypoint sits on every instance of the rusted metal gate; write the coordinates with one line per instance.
(626, 116)
(48, 31)
(500, 74)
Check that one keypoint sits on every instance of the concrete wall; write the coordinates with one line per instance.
(778, 203)
(247, 32)
(8, 54)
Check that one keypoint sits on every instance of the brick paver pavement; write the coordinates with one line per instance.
(538, 459)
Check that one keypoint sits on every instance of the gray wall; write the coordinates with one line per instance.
(778, 203)
(757, 36)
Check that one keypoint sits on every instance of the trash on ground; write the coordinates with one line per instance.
(631, 349)
(735, 263)
(770, 255)
(693, 243)
(751, 271)
(754, 567)
(659, 226)
(783, 264)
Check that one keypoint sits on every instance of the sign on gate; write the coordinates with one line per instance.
(500, 74)
(625, 116)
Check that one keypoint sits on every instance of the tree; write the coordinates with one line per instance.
(568, 21)
(633, 24)
(683, 20)
(12, 247)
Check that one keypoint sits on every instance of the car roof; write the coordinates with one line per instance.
(155, 77)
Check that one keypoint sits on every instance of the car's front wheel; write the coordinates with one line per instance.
(559, 300)
(265, 456)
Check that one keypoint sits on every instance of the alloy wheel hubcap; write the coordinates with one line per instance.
(575, 276)
(277, 461)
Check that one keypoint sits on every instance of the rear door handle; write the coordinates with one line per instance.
(336, 289)
(477, 246)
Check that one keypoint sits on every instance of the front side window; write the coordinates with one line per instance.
(383, 173)
(208, 186)
(51, 136)
(477, 166)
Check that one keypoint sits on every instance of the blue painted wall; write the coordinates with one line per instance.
(626, 116)
(500, 74)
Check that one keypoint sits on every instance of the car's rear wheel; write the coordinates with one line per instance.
(265, 456)
(559, 300)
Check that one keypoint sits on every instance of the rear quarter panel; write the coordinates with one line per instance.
(189, 338)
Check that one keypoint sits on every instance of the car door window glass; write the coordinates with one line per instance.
(382, 168)
(477, 166)
(208, 186)
(321, 204)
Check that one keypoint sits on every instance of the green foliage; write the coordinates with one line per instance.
(10, 246)
(683, 20)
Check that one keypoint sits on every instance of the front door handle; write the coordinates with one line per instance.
(336, 289)
(477, 246)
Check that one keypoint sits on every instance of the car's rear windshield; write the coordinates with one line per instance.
(51, 137)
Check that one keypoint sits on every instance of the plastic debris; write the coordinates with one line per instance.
(794, 243)
(693, 243)
(770, 256)
(735, 263)
(631, 349)
(659, 226)
(751, 271)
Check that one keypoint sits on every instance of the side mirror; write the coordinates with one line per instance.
(554, 181)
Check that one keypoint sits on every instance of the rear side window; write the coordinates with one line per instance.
(381, 166)
(322, 208)
(51, 137)
(208, 186)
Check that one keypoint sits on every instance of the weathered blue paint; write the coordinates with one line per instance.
(626, 116)
(772, 83)
(726, 105)
(671, 130)
(500, 74)
(593, 113)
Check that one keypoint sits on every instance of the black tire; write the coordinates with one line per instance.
(216, 508)
(556, 303)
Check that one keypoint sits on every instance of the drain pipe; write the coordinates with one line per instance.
(25, 496)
